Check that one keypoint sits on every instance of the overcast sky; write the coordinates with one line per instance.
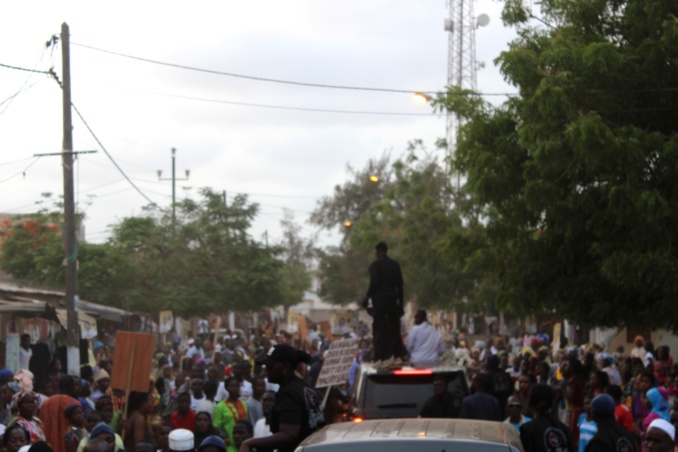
(140, 110)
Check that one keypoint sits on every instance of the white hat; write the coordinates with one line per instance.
(191, 341)
(101, 375)
(181, 439)
(664, 426)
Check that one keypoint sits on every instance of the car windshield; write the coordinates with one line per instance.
(391, 396)
(408, 445)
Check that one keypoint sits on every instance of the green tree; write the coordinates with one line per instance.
(342, 270)
(298, 255)
(574, 178)
(204, 262)
(415, 213)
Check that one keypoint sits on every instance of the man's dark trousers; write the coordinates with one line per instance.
(388, 341)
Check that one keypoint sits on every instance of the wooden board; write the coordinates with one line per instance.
(133, 360)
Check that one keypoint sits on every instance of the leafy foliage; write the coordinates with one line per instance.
(574, 179)
(204, 262)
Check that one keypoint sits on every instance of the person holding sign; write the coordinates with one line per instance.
(388, 304)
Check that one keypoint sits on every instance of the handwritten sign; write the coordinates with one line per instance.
(337, 363)
(134, 358)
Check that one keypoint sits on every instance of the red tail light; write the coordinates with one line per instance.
(413, 372)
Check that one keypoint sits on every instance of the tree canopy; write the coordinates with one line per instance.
(575, 177)
(203, 262)
(413, 210)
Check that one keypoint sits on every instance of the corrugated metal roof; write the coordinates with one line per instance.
(104, 312)
(433, 429)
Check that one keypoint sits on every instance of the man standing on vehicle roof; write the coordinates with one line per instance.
(386, 293)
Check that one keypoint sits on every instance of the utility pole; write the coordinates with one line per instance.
(70, 241)
(174, 183)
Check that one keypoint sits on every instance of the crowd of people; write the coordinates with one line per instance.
(257, 392)
(572, 398)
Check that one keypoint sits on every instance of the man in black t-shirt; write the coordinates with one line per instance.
(296, 413)
(611, 437)
(545, 433)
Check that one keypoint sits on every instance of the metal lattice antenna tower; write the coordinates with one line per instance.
(461, 62)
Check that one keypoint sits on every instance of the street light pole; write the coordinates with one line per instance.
(174, 183)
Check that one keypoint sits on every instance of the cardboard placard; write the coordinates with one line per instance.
(132, 361)
(325, 328)
(166, 321)
(296, 325)
(337, 363)
(341, 323)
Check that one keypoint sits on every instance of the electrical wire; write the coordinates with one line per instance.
(20, 172)
(24, 69)
(102, 186)
(110, 157)
(16, 161)
(251, 77)
(282, 107)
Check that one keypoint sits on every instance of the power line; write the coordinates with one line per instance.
(20, 172)
(25, 69)
(251, 77)
(16, 161)
(282, 107)
(110, 157)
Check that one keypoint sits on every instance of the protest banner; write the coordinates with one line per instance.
(337, 363)
(134, 353)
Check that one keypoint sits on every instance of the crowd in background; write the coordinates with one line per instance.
(213, 387)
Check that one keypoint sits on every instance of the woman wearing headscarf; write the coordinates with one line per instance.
(659, 407)
(203, 427)
(77, 430)
(25, 404)
(52, 413)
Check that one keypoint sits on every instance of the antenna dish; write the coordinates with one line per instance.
(483, 20)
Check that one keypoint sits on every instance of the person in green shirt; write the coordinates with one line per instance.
(229, 411)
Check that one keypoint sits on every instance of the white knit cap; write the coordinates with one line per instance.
(181, 439)
(664, 426)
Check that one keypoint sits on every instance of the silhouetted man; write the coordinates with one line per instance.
(480, 405)
(442, 404)
(386, 293)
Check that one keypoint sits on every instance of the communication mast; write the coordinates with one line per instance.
(461, 62)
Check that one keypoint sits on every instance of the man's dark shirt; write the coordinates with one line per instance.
(296, 403)
(546, 434)
(480, 406)
(386, 280)
(611, 437)
(441, 407)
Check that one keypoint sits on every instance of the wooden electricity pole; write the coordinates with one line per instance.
(70, 241)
